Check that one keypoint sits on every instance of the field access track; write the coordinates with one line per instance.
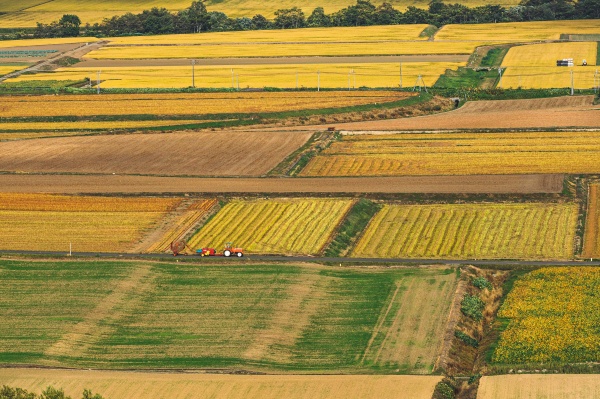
(479, 184)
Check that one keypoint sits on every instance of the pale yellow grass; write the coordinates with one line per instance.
(284, 50)
(186, 386)
(283, 76)
(534, 66)
(555, 386)
(83, 126)
(317, 35)
(518, 31)
(44, 42)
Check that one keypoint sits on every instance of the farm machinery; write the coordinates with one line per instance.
(179, 247)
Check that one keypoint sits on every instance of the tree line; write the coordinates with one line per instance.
(197, 18)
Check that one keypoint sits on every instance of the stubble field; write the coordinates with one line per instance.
(591, 246)
(480, 231)
(284, 317)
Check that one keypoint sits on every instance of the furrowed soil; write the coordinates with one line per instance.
(555, 386)
(478, 184)
(280, 318)
(197, 154)
(184, 386)
(501, 114)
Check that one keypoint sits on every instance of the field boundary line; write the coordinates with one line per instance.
(451, 323)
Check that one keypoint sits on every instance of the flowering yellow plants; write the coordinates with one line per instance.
(51, 222)
(458, 154)
(188, 219)
(286, 226)
(482, 231)
(553, 315)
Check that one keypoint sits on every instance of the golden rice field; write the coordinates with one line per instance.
(279, 226)
(283, 76)
(458, 154)
(50, 222)
(315, 35)
(283, 50)
(533, 66)
(518, 31)
(188, 219)
(6, 69)
(47, 127)
(186, 103)
(44, 42)
(11, 5)
(480, 231)
(547, 386)
(553, 316)
(591, 246)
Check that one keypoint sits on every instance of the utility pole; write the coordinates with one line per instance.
(193, 73)
(98, 82)
(500, 80)
(572, 84)
(354, 76)
(400, 75)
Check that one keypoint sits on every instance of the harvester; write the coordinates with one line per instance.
(178, 247)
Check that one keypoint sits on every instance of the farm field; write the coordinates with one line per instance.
(555, 386)
(45, 222)
(279, 226)
(43, 42)
(553, 315)
(591, 246)
(7, 68)
(534, 65)
(458, 154)
(283, 50)
(183, 154)
(578, 111)
(47, 127)
(518, 31)
(480, 231)
(284, 317)
(257, 76)
(181, 386)
(195, 104)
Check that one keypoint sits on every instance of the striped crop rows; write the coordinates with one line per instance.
(489, 231)
(288, 226)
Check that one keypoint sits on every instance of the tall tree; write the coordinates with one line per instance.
(69, 25)
(287, 18)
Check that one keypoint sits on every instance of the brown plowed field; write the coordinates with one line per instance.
(198, 154)
(134, 385)
(498, 184)
(506, 114)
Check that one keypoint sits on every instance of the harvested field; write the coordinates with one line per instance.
(47, 127)
(282, 318)
(555, 386)
(501, 114)
(280, 226)
(591, 246)
(552, 316)
(480, 231)
(518, 31)
(328, 74)
(458, 154)
(183, 386)
(51, 222)
(160, 154)
(522, 184)
(186, 104)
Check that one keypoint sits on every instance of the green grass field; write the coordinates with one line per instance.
(285, 317)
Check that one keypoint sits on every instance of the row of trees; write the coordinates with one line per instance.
(197, 18)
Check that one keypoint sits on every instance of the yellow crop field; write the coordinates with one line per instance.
(591, 246)
(283, 76)
(82, 126)
(44, 42)
(547, 386)
(518, 31)
(480, 231)
(50, 222)
(11, 5)
(553, 316)
(533, 66)
(188, 219)
(280, 226)
(283, 50)
(458, 154)
(186, 104)
(6, 69)
(317, 35)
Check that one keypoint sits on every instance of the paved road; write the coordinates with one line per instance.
(274, 258)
